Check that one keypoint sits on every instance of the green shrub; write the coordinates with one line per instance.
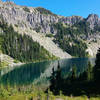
(26, 9)
(16, 61)
(49, 35)
(45, 11)
(37, 29)
(16, 25)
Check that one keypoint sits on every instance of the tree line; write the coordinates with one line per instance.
(21, 47)
(68, 38)
(87, 83)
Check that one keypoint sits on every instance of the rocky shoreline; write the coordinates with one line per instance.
(7, 61)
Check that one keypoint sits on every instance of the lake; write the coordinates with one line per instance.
(39, 73)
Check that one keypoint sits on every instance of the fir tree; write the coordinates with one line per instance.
(0, 63)
(52, 81)
(59, 80)
(74, 73)
(89, 72)
(56, 80)
(97, 67)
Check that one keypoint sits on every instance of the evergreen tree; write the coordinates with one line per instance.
(52, 81)
(74, 73)
(83, 76)
(87, 74)
(0, 63)
(89, 71)
(59, 80)
(97, 67)
(56, 80)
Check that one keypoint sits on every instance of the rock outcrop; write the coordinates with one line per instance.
(93, 47)
(93, 20)
(8, 61)
(43, 23)
(23, 16)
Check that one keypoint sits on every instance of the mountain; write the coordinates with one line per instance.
(61, 36)
(38, 19)
(93, 20)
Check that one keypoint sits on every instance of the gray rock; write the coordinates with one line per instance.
(93, 20)
(14, 14)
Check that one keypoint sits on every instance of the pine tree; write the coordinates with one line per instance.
(59, 80)
(74, 73)
(89, 71)
(56, 80)
(97, 67)
(52, 81)
(0, 63)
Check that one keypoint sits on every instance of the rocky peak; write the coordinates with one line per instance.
(92, 16)
(93, 20)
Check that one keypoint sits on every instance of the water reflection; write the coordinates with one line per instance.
(39, 72)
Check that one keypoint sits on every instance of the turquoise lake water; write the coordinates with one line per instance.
(38, 73)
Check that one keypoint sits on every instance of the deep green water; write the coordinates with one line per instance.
(38, 73)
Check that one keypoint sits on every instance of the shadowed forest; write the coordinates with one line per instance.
(87, 83)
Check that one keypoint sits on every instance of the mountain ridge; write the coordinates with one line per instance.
(38, 20)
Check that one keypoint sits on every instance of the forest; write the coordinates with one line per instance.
(21, 47)
(87, 83)
(69, 38)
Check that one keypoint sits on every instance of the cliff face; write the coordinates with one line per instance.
(17, 15)
(42, 22)
(93, 20)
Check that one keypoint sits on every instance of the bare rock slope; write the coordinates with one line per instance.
(8, 61)
(46, 42)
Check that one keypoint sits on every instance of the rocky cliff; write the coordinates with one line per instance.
(93, 20)
(40, 19)
(32, 17)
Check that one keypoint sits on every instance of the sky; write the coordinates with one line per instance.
(65, 7)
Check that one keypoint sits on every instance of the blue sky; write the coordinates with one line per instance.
(65, 7)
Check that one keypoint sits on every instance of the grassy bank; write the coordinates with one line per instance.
(44, 97)
(35, 93)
